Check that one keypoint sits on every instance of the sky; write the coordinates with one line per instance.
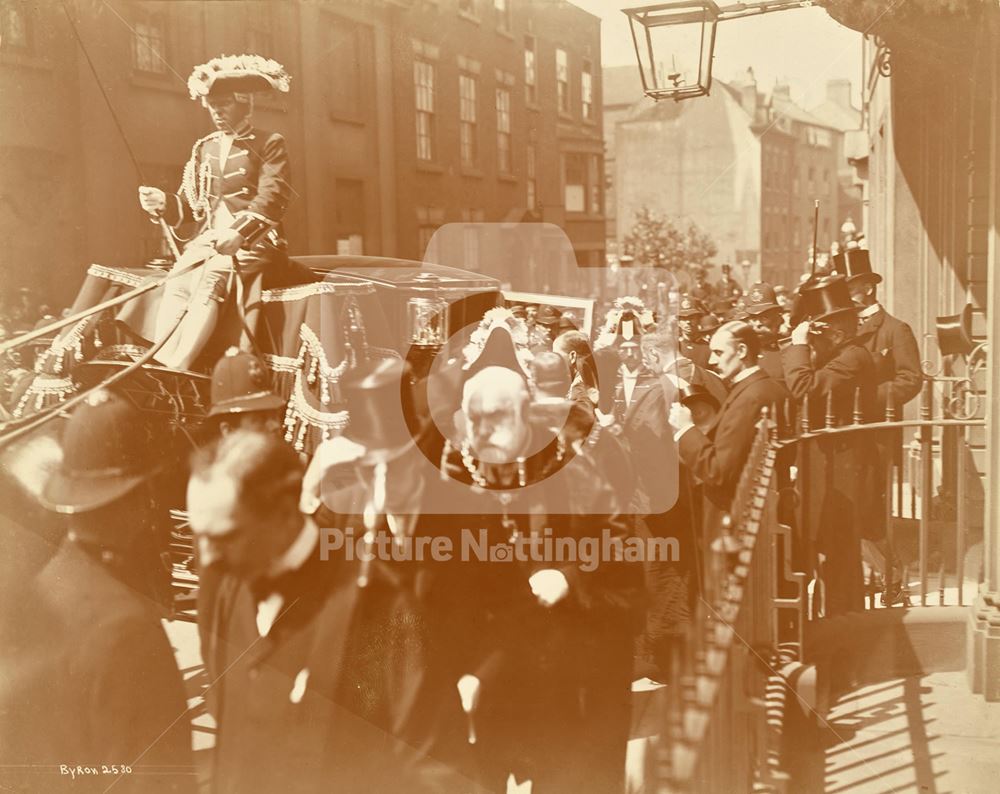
(802, 47)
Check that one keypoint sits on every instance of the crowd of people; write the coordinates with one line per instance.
(339, 660)
(341, 664)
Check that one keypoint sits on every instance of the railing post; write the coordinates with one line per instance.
(960, 515)
(926, 482)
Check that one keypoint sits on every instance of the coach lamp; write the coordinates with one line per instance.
(684, 32)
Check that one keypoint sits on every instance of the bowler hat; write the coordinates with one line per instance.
(709, 324)
(240, 384)
(827, 297)
(548, 316)
(109, 447)
(855, 264)
(761, 298)
(382, 410)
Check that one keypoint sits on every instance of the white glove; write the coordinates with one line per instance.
(152, 199)
(332, 452)
(549, 586)
(468, 692)
(680, 417)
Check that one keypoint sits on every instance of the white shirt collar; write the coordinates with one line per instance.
(296, 554)
(870, 311)
(745, 374)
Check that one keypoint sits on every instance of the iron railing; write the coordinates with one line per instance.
(763, 582)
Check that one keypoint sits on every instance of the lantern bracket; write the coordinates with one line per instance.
(704, 13)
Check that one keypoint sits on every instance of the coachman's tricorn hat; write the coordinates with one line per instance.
(237, 74)
(109, 447)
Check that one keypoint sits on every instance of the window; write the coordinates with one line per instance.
(260, 36)
(503, 131)
(532, 185)
(594, 184)
(587, 92)
(423, 85)
(149, 45)
(530, 73)
(502, 10)
(467, 119)
(562, 81)
(575, 182)
(14, 29)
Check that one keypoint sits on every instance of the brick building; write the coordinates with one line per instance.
(402, 117)
(744, 166)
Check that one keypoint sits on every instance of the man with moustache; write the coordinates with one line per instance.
(716, 458)
(764, 316)
(692, 344)
(890, 341)
(235, 191)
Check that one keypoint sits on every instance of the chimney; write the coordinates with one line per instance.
(748, 93)
(839, 92)
(782, 91)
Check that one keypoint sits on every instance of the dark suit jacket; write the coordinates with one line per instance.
(850, 368)
(716, 458)
(349, 728)
(90, 678)
(897, 358)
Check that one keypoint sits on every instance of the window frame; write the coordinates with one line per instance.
(468, 127)
(505, 138)
(429, 69)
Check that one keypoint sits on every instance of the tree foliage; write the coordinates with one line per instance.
(657, 241)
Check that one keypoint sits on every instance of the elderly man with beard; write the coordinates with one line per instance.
(548, 677)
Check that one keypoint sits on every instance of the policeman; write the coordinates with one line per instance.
(692, 345)
(764, 316)
(242, 396)
(235, 189)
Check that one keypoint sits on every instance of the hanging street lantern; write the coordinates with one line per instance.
(675, 42)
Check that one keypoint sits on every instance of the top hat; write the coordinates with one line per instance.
(237, 74)
(761, 298)
(690, 307)
(825, 298)
(954, 333)
(855, 264)
(693, 392)
(109, 447)
(380, 403)
(240, 384)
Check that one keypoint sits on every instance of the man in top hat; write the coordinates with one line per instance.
(692, 344)
(727, 287)
(764, 316)
(241, 395)
(89, 675)
(828, 365)
(890, 340)
(235, 191)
